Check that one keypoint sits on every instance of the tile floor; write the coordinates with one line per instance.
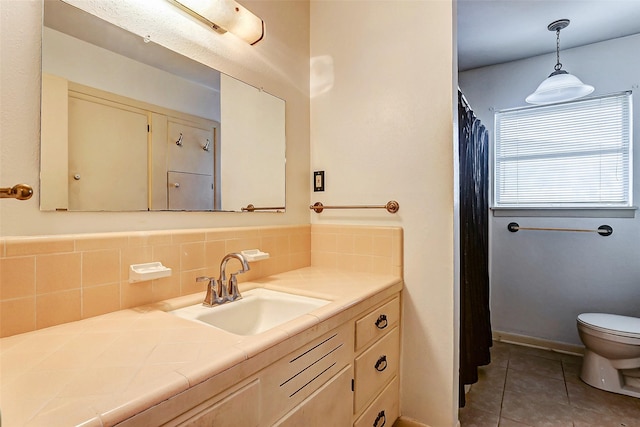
(525, 386)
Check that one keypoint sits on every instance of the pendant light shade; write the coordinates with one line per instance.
(560, 85)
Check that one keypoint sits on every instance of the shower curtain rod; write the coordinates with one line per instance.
(603, 230)
(465, 101)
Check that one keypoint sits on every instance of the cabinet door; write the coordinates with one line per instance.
(190, 148)
(328, 406)
(107, 156)
(189, 191)
(292, 379)
(238, 409)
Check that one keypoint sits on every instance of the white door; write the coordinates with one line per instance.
(107, 156)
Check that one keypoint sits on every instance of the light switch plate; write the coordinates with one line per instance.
(318, 181)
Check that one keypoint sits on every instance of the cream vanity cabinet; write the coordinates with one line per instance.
(346, 376)
(372, 377)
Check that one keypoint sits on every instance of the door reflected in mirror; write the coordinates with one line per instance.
(128, 125)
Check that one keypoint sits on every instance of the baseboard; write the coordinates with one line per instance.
(560, 347)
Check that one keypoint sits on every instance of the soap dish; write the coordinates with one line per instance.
(148, 271)
(254, 255)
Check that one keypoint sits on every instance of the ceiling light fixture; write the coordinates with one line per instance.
(225, 15)
(560, 85)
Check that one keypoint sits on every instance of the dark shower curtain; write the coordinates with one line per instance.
(475, 323)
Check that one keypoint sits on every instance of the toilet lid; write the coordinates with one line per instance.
(612, 323)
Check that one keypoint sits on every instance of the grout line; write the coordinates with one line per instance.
(564, 378)
(504, 387)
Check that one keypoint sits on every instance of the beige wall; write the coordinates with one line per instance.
(279, 64)
(381, 129)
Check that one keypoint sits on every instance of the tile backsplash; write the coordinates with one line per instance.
(49, 280)
(357, 248)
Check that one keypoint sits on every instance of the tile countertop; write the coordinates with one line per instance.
(103, 370)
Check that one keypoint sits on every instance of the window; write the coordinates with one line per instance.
(569, 155)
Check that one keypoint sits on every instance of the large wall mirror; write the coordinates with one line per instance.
(128, 125)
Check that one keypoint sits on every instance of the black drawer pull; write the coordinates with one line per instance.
(382, 323)
(381, 417)
(381, 364)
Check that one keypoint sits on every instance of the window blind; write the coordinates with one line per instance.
(574, 154)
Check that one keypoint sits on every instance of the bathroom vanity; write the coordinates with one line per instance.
(336, 365)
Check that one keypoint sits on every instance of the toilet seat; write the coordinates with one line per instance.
(623, 326)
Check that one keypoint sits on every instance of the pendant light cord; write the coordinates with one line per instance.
(558, 65)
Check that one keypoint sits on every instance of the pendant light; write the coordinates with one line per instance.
(560, 85)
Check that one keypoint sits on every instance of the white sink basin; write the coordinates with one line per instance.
(258, 310)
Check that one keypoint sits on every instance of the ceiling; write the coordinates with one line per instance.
(496, 31)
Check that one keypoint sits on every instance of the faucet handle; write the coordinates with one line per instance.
(214, 296)
(234, 292)
(222, 293)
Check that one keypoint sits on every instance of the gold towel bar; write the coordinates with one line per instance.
(391, 207)
(603, 230)
(251, 208)
(18, 191)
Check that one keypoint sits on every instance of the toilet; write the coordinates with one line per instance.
(612, 352)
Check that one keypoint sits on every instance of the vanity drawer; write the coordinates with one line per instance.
(384, 410)
(375, 367)
(377, 323)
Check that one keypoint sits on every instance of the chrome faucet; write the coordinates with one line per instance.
(219, 291)
(232, 291)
